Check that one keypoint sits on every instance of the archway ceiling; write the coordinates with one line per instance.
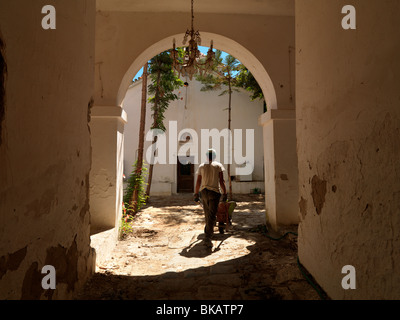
(261, 7)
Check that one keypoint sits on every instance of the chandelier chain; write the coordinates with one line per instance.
(190, 63)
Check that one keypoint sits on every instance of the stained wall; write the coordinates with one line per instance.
(348, 134)
(45, 150)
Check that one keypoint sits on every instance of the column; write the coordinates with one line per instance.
(106, 183)
(280, 167)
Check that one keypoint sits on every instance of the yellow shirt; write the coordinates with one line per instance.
(209, 173)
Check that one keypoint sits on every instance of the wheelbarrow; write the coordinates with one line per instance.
(224, 215)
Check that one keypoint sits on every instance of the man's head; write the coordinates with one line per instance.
(211, 154)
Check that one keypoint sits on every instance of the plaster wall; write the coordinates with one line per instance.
(348, 129)
(45, 153)
(269, 168)
(195, 110)
(286, 171)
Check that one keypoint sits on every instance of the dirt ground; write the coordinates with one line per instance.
(165, 257)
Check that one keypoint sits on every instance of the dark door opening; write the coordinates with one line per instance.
(185, 175)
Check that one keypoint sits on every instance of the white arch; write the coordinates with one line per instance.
(220, 42)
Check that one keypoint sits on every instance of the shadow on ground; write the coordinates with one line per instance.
(267, 269)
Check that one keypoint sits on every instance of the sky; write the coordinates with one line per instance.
(202, 49)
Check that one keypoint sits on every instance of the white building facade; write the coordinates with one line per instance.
(190, 121)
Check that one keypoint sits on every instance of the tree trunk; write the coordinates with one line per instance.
(155, 115)
(139, 164)
(229, 139)
(150, 177)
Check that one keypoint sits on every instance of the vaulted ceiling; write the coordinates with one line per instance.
(262, 7)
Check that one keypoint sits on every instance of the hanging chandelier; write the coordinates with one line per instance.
(191, 61)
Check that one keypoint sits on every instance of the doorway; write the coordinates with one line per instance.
(185, 174)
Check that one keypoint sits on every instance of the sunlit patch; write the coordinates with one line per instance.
(168, 236)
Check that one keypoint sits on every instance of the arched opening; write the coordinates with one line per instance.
(198, 114)
(279, 137)
(173, 213)
(269, 135)
(220, 42)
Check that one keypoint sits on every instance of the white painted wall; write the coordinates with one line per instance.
(195, 110)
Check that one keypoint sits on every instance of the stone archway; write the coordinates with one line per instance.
(279, 136)
(219, 42)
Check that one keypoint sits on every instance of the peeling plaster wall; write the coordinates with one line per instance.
(45, 153)
(348, 133)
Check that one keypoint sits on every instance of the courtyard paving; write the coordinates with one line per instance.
(164, 257)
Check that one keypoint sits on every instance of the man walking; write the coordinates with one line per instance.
(210, 180)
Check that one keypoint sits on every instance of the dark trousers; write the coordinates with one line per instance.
(210, 200)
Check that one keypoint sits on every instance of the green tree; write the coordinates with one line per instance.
(136, 181)
(246, 80)
(163, 83)
(223, 77)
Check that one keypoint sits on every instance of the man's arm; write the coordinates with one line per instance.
(222, 184)
(198, 184)
(197, 189)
